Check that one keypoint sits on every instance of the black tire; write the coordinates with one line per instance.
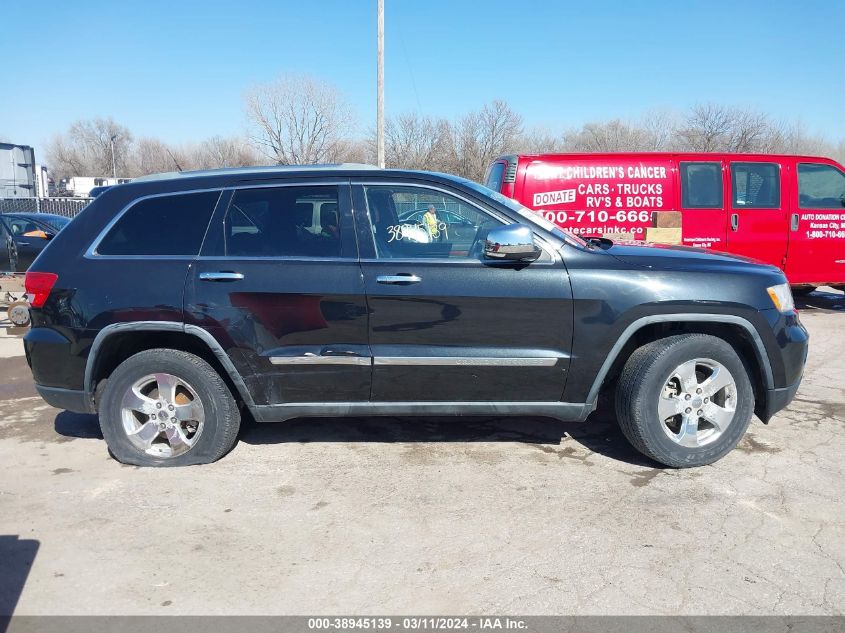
(222, 417)
(640, 385)
(803, 291)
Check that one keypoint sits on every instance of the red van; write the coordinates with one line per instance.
(785, 210)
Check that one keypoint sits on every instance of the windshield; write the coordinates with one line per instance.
(526, 213)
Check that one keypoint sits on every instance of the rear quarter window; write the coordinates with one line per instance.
(161, 225)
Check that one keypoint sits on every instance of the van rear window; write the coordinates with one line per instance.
(701, 185)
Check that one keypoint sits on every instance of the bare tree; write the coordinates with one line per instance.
(217, 152)
(539, 140)
(660, 127)
(152, 156)
(86, 149)
(718, 128)
(481, 136)
(298, 120)
(751, 131)
(707, 128)
(413, 141)
(653, 133)
(66, 159)
(839, 152)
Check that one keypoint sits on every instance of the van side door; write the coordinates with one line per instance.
(703, 204)
(758, 222)
(816, 252)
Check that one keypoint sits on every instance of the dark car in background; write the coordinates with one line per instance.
(26, 235)
(172, 304)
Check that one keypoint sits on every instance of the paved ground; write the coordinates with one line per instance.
(429, 516)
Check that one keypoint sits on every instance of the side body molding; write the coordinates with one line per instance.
(762, 355)
(560, 410)
(162, 326)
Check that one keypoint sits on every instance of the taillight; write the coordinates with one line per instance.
(38, 287)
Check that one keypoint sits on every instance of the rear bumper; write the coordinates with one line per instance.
(54, 360)
(69, 399)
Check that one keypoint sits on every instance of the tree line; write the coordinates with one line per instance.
(302, 120)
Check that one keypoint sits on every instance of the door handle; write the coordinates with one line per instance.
(794, 223)
(403, 279)
(223, 275)
(734, 221)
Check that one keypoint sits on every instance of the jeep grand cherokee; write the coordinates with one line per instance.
(172, 303)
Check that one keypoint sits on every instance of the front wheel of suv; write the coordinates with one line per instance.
(164, 407)
(684, 400)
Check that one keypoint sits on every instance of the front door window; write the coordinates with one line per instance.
(415, 222)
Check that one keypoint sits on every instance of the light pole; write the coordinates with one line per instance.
(380, 87)
(113, 164)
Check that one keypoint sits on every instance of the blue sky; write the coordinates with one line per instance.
(177, 70)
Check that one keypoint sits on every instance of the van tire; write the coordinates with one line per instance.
(648, 376)
(219, 412)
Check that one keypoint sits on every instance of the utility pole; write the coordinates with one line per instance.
(113, 164)
(380, 88)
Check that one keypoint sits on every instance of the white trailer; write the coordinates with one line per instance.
(81, 186)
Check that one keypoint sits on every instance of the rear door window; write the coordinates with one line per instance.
(820, 187)
(161, 225)
(755, 185)
(295, 221)
(701, 185)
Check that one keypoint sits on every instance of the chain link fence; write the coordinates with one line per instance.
(67, 207)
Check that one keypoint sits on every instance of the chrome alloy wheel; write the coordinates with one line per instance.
(162, 415)
(697, 403)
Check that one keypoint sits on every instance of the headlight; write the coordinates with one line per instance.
(781, 296)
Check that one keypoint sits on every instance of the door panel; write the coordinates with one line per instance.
(8, 253)
(702, 189)
(30, 238)
(758, 221)
(817, 226)
(458, 329)
(289, 305)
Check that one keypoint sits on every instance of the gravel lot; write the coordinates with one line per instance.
(459, 516)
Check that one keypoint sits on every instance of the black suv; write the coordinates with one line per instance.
(172, 303)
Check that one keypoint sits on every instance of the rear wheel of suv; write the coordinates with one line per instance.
(165, 407)
(684, 400)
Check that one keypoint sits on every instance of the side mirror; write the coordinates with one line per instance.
(514, 242)
(48, 235)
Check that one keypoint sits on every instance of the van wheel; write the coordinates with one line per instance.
(803, 291)
(163, 407)
(684, 400)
